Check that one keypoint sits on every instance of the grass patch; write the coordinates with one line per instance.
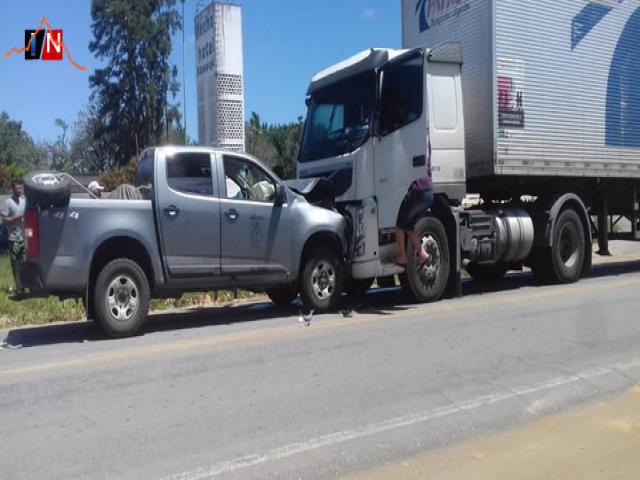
(41, 311)
(36, 311)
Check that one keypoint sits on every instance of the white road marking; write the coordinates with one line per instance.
(394, 423)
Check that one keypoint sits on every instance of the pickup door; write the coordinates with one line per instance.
(256, 233)
(188, 213)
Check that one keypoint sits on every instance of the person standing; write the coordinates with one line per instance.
(418, 199)
(13, 218)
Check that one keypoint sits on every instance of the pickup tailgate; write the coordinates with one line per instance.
(68, 238)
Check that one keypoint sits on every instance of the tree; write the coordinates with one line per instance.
(59, 158)
(90, 149)
(18, 152)
(131, 91)
(276, 145)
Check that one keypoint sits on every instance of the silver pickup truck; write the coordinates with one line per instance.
(209, 219)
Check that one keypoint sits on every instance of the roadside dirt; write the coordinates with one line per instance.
(597, 441)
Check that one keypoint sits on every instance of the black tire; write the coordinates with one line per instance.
(47, 189)
(115, 274)
(562, 263)
(486, 273)
(322, 280)
(429, 284)
(358, 287)
(283, 296)
(386, 282)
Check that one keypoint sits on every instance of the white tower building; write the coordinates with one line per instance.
(220, 76)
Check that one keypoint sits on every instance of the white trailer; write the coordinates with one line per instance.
(532, 105)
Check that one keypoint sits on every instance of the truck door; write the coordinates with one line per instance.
(401, 148)
(446, 125)
(188, 213)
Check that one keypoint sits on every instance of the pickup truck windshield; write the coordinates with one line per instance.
(339, 118)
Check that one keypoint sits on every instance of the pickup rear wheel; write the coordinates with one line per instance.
(322, 280)
(121, 298)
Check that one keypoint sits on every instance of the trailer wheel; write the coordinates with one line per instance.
(47, 188)
(121, 298)
(283, 296)
(562, 263)
(429, 283)
(322, 280)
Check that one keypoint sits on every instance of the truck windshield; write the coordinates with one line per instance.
(339, 118)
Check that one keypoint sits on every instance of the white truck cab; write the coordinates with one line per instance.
(376, 122)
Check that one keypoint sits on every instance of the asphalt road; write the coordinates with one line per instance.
(245, 392)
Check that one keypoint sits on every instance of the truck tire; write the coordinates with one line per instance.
(121, 298)
(562, 263)
(428, 284)
(358, 287)
(486, 273)
(283, 296)
(321, 281)
(47, 189)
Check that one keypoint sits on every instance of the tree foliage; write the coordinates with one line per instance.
(18, 152)
(131, 90)
(276, 145)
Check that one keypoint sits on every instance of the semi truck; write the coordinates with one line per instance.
(534, 106)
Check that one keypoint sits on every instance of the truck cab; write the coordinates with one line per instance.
(375, 123)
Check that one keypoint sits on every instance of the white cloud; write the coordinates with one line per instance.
(369, 15)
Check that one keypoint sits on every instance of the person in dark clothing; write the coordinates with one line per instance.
(419, 198)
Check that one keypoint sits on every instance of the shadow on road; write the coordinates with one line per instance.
(382, 301)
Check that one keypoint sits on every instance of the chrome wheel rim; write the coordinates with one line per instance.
(323, 280)
(429, 272)
(122, 298)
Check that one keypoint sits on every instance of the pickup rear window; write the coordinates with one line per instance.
(190, 172)
(144, 173)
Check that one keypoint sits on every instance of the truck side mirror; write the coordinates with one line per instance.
(281, 195)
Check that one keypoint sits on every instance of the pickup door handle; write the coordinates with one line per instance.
(231, 214)
(172, 211)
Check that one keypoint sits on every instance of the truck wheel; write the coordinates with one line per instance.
(428, 284)
(47, 189)
(486, 273)
(121, 298)
(321, 281)
(358, 287)
(283, 296)
(562, 263)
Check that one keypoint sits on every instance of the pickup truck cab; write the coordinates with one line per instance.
(209, 219)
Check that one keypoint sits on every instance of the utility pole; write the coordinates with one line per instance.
(184, 82)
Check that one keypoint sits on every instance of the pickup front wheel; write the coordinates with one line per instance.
(121, 298)
(322, 280)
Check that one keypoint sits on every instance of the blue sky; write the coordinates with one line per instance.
(285, 43)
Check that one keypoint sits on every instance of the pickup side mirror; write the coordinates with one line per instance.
(281, 195)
